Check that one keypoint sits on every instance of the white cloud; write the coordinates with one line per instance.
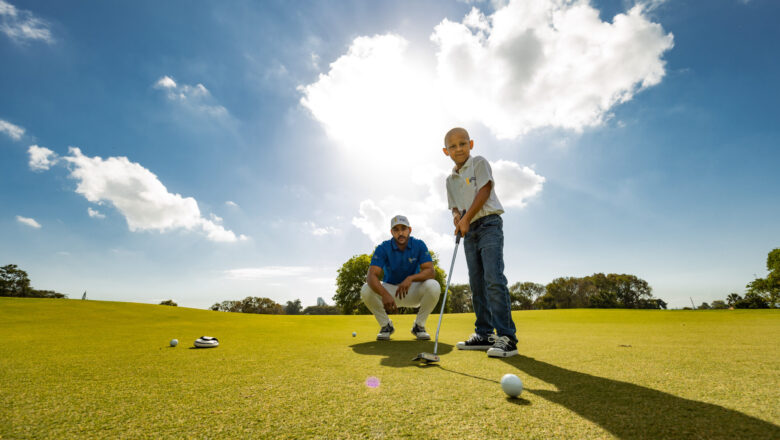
(21, 25)
(372, 221)
(317, 230)
(232, 204)
(140, 197)
(515, 184)
(95, 213)
(14, 131)
(531, 64)
(196, 99)
(41, 158)
(259, 273)
(165, 82)
(28, 221)
(545, 63)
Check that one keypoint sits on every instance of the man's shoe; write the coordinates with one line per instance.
(385, 332)
(477, 342)
(504, 347)
(420, 333)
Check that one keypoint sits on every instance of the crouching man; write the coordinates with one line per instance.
(408, 280)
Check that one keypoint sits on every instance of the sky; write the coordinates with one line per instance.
(211, 151)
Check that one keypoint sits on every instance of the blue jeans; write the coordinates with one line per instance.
(484, 247)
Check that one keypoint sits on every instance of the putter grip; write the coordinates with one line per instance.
(457, 236)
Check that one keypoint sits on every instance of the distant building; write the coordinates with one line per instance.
(321, 302)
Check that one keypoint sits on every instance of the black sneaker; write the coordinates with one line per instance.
(385, 332)
(420, 333)
(477, 342)
(504, 347)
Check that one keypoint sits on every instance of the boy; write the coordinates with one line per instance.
(470, 187)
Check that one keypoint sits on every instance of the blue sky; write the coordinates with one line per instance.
(216, 150)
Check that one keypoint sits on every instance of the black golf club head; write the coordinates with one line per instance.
(426, 357)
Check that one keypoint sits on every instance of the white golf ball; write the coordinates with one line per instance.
(512, 385)
(174, 342)
(354, 334)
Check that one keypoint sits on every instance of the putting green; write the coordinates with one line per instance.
(91, 369)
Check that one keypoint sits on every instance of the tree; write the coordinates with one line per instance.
(349, 281)
(250, 304)
(227, 306)
(630, 289)
(169, 302)
(322, 310)
(719, 305)
(704, 306)
(523, 295)
(752, 300)
(293, 307)
(599, 290)
(14, 281)
(733, 299)
(768, 288)
(459, 299)
(567, 292)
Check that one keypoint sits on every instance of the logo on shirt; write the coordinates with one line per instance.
(470, 180)
(412, 260)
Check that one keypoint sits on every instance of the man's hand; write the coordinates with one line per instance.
(389, 302)
(403, 288)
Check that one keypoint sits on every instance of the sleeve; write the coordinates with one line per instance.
(450, 200)
(424, 256)
(379, 258)
(483, 172)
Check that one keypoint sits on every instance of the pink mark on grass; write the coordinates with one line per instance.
(372, 382)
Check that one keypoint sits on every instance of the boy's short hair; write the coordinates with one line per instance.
(456, 130)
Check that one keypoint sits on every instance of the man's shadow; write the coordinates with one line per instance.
(630, 411)
(399, 353)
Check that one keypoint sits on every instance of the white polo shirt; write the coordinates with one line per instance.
(462, 187)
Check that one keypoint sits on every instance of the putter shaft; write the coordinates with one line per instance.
(446, 289)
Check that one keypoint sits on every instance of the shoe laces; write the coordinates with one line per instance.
(502, 342)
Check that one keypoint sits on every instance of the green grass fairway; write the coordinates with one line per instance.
(90, 369)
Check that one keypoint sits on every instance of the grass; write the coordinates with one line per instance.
(88, 369)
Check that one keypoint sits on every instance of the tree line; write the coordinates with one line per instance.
(595, 291)
(761, 293)
(267, 306)
(14, 282)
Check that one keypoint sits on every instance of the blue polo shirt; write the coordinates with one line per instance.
(398, 264)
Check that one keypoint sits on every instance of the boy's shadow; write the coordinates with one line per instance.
(631, 411)
(398, 353)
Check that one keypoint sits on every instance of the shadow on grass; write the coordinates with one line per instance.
(631, 411)
(398, 353)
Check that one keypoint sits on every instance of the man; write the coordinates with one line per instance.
(408, 280)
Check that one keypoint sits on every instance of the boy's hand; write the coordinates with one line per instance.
(462, 227)
(461, 224)
(455, 218)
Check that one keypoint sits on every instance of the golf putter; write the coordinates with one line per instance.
(433, 357)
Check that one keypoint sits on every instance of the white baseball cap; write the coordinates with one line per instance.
(399, 220)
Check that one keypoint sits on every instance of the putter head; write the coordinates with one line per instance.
(426, 357)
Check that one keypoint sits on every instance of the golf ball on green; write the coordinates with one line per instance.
(512, 385)
(174, 342)
(354, 334)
